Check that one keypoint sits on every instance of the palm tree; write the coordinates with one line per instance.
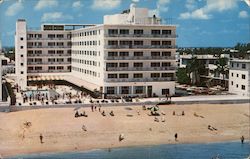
(194, 68)
(222, 68)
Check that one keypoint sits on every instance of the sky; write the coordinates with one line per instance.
(200, 23)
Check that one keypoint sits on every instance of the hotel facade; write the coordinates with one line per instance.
(130, 54)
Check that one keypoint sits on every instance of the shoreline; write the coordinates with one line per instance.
(127, 147)
(62, 131)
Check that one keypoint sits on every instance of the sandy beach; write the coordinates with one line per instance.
(63, 132)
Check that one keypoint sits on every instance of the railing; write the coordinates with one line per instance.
(160, 79)
(139, 58)
(35, 55)
(143, 35)
(46, 71)
(140, 46)
(48, 38)
(140, 68)
(48, 46)
(48, 63)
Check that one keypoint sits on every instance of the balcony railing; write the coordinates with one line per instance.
(140, 46)
(139, 58)
(46, 71)
(160, 79)
(48, 63)
(140, 68)
(48, 46)
(49, 38)
(143, 35)
(47, 55)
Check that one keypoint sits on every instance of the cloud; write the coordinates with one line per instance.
(135, 1)
(190, 4)
(105, 4)
(77, 4)
(211, 6)
(55, 16)
(41, 4)
(243, 14)
(161, 6)
(14, 8)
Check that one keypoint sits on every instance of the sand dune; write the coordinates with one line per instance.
(63, 132)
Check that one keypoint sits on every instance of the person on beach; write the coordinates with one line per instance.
(176, 136)
(183, 113)
(173, 112)
(92, 108)
(41, 138)
(242, 139)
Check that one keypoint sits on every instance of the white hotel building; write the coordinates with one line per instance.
(130, 54)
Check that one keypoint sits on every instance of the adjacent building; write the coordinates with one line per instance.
(130, 54)
(239, 77)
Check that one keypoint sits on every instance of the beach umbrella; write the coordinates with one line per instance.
(154, 108)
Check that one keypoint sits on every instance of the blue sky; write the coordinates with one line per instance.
(200, 23)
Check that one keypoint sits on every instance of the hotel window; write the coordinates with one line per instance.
(51, 35)
(111, 65)
(138, 64)
(232, 64)
(21, 55)
(237, 85)
(166, 42)
(167, 75)
(21, 38)
(112, 75)
(30, 68)
(59, 60)
(51, 67)
(112, 54)
(237, 64)
(138, 53)
(38, 68)
(166, 64)
(112, 31)
(232, 83)
(166, 53)
(138, 42)
(166, 32)
(124, 31)
(138, 31)
(123, 64)
(155, 32)
(51, 60)
(243, 76)
(59, 67)
(38, 60)
(243, 66)
(123, 53)
(165, 91)
(123, 75)
(21, 72)
(21, 64)
(155, 43)
(155, 64)
(138, 75)
(243, 87)
(112, 42)
(51, 51)
(21, 47)
(125, 90)
(232, 74)
(59, 51)
(138, 89)
(237, 75)
(155, 54)
(155, 75)
(110, 90)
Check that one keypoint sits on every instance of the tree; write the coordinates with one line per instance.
(182, 76)
(195, 68)
(222, 68)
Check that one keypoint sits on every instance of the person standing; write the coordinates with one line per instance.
(41, 138)
(242, 139)
(176, 136)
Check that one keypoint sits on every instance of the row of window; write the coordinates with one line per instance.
(68, 36)
(139, 53)
(39, 68)
(86, 62)
(237, 75)
(48, 60)
(86, 33)
(243, 65)
(86, 43)
(82, 52)
(49, 44)
(137, 42)
(138, 64)
(86, 71)
(243, 87)
(140, 75)
(138, 31)
(49, 51)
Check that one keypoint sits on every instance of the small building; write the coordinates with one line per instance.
(239, 77)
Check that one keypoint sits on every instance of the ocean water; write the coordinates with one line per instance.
(227, 150)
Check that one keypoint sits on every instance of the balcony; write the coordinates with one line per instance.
(140, 46)
(46, 71)
(47, 55)
(160, 79)
(170, 68)
(139, 58)
(48, 63)
(49, 38)
(142, 35)
(48, 46)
